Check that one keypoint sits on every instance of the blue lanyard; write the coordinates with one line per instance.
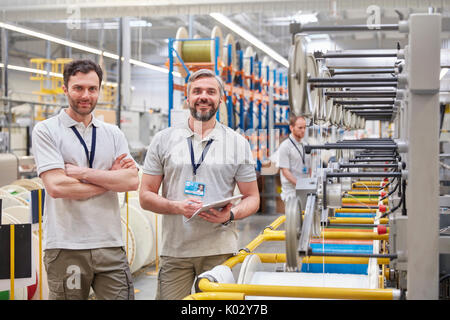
(93, 142)
(302, 155)
(191, 149)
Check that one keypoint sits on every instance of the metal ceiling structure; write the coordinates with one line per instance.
(95, 23)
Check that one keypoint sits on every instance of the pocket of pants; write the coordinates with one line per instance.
(51, 255)
(56, 290)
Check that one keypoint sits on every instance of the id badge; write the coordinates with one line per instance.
(194, 188)
(305, 170)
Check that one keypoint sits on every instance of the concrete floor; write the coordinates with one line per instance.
(145, 279)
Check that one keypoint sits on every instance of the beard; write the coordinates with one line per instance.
(74, 105)
(201, 116)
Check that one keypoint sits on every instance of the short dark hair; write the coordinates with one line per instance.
(84, 66)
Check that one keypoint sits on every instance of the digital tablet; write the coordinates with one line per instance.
(216, 205)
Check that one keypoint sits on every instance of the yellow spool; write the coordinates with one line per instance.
(198, 51)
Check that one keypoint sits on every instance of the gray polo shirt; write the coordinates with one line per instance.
(290, 158)
(79, 224)
(228, 160)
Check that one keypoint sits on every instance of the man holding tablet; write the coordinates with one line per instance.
(197, 163)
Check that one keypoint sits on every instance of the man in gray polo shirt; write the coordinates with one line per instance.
(83, 163)
(293, 162)
(198, 162)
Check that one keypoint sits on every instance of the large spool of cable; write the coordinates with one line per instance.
(265, 63)
(248, 54)
(143, 234)
(298, 78)
(29, 184)
(198, 51)
(229, 40)
(320, 114)
(313, 72)
(223, 113)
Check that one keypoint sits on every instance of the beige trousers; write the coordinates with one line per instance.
(177, 275)
(71, 274)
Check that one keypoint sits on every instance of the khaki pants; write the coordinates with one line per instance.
(71, 274)
(176, 275)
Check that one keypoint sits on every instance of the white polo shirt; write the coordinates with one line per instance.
(79, 224)
(292, 156)
(228, 160)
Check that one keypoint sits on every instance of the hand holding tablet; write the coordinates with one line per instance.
(215, 205)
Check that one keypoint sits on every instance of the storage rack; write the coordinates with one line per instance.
(246, 89)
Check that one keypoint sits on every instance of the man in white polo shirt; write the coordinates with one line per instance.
(83, 163)
(293, 162)
(197, 162)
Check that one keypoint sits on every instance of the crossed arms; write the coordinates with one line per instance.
(79, 183)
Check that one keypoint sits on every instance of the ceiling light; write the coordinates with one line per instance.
(249, 37)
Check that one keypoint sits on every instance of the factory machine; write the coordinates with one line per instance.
(366, 226)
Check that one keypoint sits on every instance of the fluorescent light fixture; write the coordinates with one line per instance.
(249, 37)
(443, 73)
(47, 73)
(82, 47)
(305, 18)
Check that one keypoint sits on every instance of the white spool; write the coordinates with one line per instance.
(152, 219)
(28, 184)
(181, 34)
(321, 115)
(223, 113)
(248, 54)
(11, 201)
(219, 274)
(229, 40)
(338, 116)
(313, 72)
(21, 213)
(13, 188)
(143, 236)
(298, 78)
(293, 227)
(250, 265)
(265, 63)
(353, 121)
(329, 111)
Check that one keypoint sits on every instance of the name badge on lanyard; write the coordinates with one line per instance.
(194, 187)
(90, 157)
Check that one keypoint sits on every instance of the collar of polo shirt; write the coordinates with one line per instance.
(214, 134)
(69, 122)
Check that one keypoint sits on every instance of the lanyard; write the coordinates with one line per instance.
(191, 149)
(302, 155)
(94, 140)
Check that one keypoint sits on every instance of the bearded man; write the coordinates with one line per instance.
(83, 163)
(196, 163)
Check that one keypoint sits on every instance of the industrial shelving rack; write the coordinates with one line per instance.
(245, 89)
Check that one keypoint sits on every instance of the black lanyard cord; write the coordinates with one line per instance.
(93, 143)
(202, 157)
(302, 155)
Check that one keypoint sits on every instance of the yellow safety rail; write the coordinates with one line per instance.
(226, 291)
